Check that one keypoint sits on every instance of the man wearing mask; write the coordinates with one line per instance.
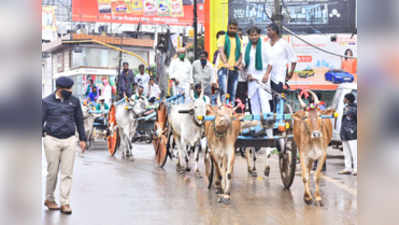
(181, 72)
(229, 46)
(125, 82)
(280, 53)
(143, 78)
(204, 74)
(61, 112)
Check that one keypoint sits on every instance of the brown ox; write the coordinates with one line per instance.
(221, 135)
(312, 136)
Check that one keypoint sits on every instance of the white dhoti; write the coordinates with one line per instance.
(259, 101)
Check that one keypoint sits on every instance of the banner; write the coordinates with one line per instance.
(172, 12)
(49, 28)
(301, 16)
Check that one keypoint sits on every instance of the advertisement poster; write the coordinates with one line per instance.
(49, 28)
(137, 7)
(171, 12)
(176, 8)
(150, 7)
(301, 16)
(163, 7)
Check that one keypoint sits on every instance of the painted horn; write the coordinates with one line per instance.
(315, 98)
(303, 105)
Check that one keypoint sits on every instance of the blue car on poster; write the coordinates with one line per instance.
(339, 76)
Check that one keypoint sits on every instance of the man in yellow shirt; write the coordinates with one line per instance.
(229, 46)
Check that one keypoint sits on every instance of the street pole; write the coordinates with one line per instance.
(195, 26)
(277, 16)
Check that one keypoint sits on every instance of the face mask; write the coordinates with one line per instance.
(182, 56)
(231, 34)
(203, 62)
(66, 94)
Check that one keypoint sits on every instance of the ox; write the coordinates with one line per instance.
(312, 135)
(88, 121)
(186, 128)
(126, 115)
(221, 134)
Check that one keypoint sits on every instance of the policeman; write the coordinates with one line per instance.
(60, 113)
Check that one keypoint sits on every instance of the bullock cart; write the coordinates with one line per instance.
(144, 119)
(162, 136)
(282, 139)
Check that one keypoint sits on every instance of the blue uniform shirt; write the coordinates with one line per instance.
(59, 118)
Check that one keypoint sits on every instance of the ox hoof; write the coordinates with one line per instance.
(267, 171)
(308, 200)
(319, 203)
(187, 169)
(253, 173)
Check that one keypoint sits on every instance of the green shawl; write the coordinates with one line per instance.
(258, 56)
(227, 46)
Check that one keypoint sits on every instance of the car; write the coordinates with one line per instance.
(306, 73)
(339, 76)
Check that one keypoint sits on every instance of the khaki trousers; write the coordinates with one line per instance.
(60, 155)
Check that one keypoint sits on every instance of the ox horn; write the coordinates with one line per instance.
(315, 98)
(303, 105)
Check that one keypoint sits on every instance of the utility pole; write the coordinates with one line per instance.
(195, 26)
(277, 16)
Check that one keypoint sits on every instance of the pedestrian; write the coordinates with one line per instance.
(107, 93)
(61, 112)
(280, 53)
(142, 78)
(204, 74)
(229, 46)
(125, 82)
(181, 72)
(89, 87)
(93, 95)
(257, 66)
(348, 134)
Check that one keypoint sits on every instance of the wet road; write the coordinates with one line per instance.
(108, 191)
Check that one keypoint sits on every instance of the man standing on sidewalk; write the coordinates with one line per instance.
(60, 113)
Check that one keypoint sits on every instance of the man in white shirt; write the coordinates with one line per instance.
(154, 92)
(280, 53)
(181, 72)
(257, 66)
(142, 78)
(204, 73)
(107, 92)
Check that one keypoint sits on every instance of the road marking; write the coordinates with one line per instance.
(340, 185)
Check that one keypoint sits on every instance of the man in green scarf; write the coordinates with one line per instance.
(229, 46)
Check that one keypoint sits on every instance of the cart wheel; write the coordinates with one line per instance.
(161, 152)
(287, 163)
(113, 142)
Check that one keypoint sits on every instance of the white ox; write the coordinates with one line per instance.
(126, 115)
(187, 130)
